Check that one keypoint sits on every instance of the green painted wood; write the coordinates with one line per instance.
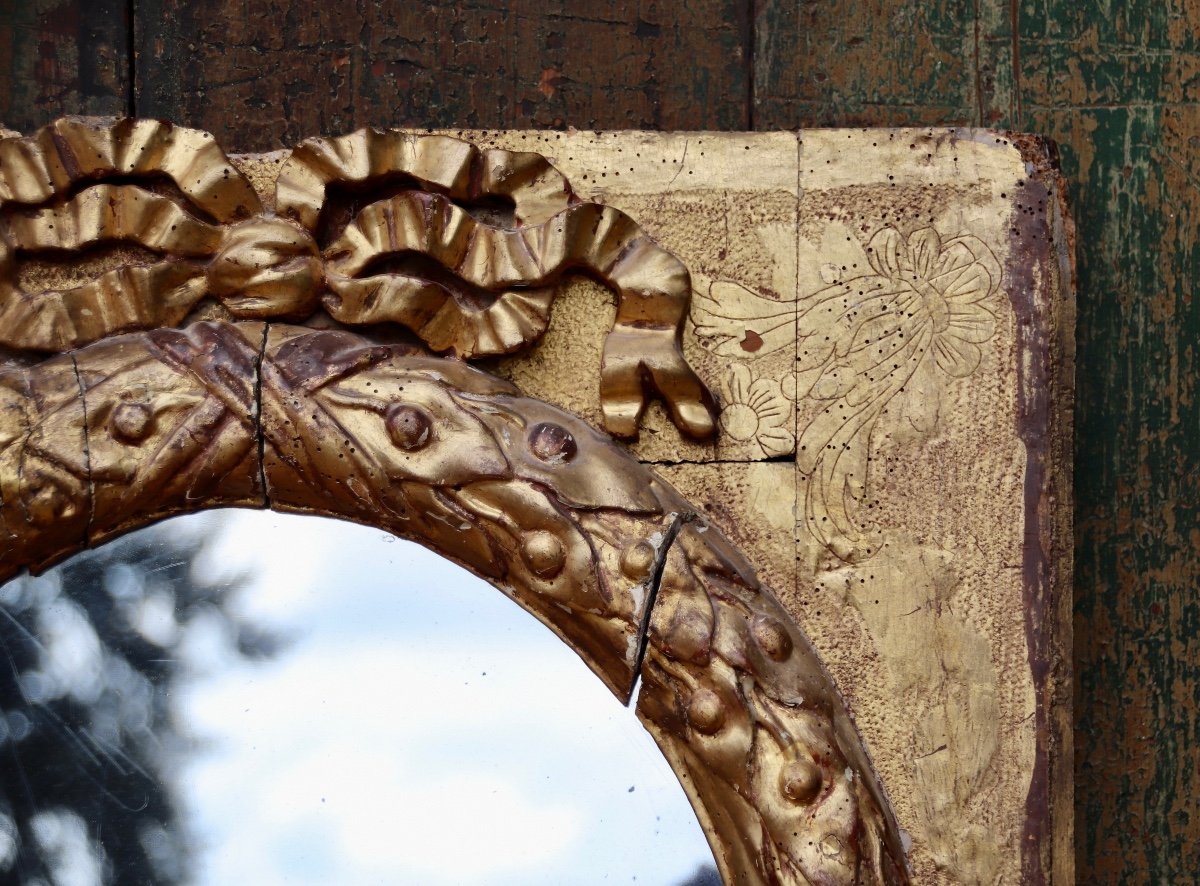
(62, 57)
(1116, 84)
(862, 63)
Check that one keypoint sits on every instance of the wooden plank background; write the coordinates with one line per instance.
(1115, 83)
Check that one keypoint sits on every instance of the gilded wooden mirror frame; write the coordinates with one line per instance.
(193, 339)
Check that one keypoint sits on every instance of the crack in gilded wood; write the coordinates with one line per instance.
(857, 321)
(464, 287)
(124, 429)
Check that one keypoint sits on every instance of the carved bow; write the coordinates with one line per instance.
(462, 246)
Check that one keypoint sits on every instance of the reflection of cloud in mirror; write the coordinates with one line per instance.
(416, 728)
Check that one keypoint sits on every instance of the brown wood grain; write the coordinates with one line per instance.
(62, 57)
(263, 75)
(1114, 84)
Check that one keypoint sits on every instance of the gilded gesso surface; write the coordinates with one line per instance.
(904, 553)
(880, 317)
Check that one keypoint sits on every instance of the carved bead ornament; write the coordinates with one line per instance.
(122, 430)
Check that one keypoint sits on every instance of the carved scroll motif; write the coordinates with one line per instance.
(464, 247)
(134, 428)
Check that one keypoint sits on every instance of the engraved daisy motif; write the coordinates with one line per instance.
(756, 409)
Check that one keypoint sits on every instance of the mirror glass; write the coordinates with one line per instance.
(247, 697)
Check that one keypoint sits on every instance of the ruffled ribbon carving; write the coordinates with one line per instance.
(460, 245)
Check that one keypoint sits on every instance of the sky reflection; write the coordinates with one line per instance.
(416, 727)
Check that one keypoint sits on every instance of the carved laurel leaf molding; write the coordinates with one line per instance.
(111, 418)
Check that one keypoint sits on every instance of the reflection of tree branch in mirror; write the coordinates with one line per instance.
(462, 247)
(526, 496)
(374, 786)
(92, 654)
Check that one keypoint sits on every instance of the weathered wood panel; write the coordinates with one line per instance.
(62, 57)
(1117, 87)
(867, 63)
(1115, 84)
(262, 75)
(1125, 113)
(885, 63)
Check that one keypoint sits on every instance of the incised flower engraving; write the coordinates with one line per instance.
(949, 282)
(861, 343)
(909, 306)
(756, 409)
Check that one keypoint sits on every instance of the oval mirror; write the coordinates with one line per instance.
(250, 697)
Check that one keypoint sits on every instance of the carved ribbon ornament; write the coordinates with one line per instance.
(132, 428)
(465, 249)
